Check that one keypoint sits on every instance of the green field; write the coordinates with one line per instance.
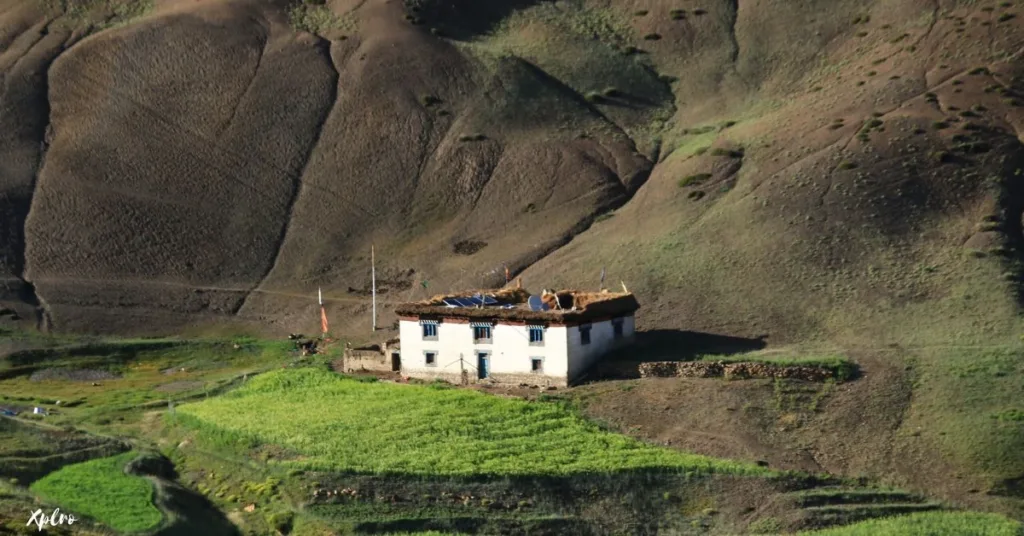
(101, 490)
(333, 423)
(929, 524)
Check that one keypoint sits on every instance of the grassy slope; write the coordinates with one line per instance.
(930, 524)
(100, 489)
(149, 372)
(339, 424)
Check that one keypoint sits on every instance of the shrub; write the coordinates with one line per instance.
(652, 37)
(281, 521)
(693, 180)
(846, 164)
(731, 153)
(472, 137)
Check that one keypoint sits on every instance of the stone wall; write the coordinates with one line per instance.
(714, 369)
(356, 360)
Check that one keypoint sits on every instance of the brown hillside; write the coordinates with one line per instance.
(831, 171)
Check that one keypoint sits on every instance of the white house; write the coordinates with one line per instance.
(505, 340)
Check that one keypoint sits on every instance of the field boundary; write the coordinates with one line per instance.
(738, 370)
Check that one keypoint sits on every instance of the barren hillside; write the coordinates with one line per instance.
(829, 171)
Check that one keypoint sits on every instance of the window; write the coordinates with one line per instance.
(537, 364)
(430, 358)
(481, 333)
(429, 331)
(617, 328)
(585, 334)
(536, 335)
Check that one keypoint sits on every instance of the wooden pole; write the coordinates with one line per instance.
(373, 284)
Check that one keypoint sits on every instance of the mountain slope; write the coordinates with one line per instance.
(845, 173)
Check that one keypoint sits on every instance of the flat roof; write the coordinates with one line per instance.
(513, 304)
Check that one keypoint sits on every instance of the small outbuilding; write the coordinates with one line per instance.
(508, 336)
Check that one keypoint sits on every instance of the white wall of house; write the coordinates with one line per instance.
(509, 351)
(602, 340)
(563, 355)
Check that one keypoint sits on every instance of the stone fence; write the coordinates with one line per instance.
(714, 369)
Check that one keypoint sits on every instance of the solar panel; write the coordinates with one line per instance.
(449, 302)
(475, 301)
(488, 300)
(535, 303)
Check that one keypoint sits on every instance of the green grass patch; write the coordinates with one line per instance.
(694, 180)
(335, 423)
(928, 523)
(101, 490)
(140, 375)
(966, 397)
(308, 16)
(99, 14)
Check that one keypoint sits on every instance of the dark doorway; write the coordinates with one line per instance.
(482, 365)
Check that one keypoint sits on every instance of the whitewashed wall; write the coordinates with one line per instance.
(510, 349)
(602, 341)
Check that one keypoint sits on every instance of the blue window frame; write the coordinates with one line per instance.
(536, 335)
(585, 334)
(482, 333)
(430, 331)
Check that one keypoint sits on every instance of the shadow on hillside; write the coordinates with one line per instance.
(669, 345)
(464, 19)
(637, 501)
